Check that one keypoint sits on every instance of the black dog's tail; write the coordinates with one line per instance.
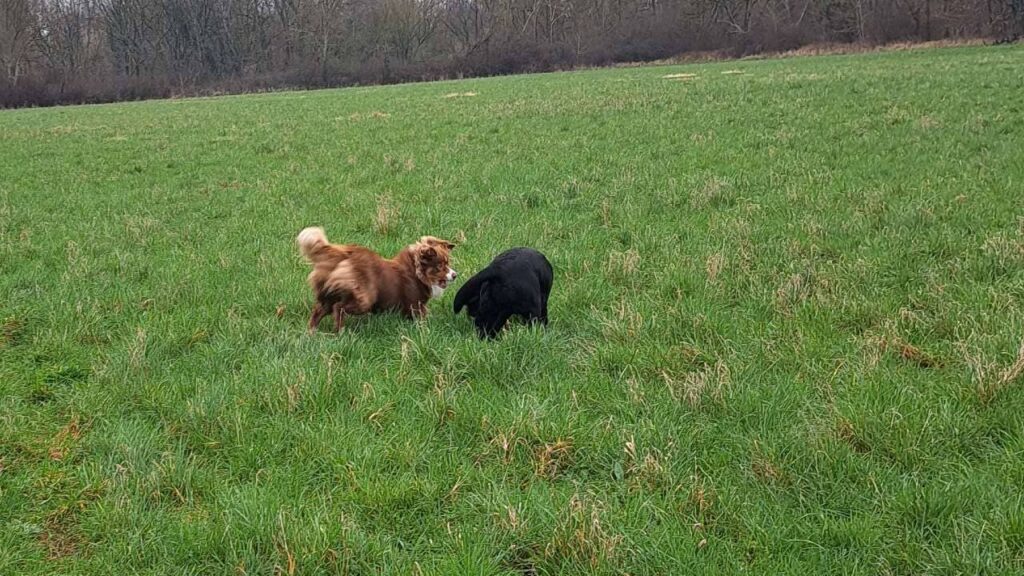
(469, 293)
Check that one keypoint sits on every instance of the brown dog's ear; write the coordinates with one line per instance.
(431, 241)
(428, 254)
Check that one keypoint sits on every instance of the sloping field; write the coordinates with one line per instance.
(785, 331)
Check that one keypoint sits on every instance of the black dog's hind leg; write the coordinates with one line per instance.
(538, 312)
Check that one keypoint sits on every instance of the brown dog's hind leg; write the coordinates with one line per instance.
(339, 316)
(318, 314)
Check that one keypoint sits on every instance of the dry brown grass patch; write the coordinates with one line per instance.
(915, 355)
(820, 49)
(846, 432)
(60, 537)
(387, 212)
(580, 535)
(636, 391)
(10, 329)
(701, 499)
(708, 382)
(554, 458)
(1006, 250)
(378, 416)
(645, 470)
(902, 349)
(711, 191)
(374, 115)
(606, 214)
(829, 49)
(765, 470)
(623, 263)
(714, 265)
(512, 520)
(989, 389)
(793, 292)
(506, 442)
(65, 439)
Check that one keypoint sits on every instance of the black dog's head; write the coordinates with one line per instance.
(475, 296)
(488, 315)
(468, 296)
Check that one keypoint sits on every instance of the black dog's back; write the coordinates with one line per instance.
(516, 283)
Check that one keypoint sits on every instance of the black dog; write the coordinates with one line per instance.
(517, 282)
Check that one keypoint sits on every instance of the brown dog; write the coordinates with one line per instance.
(350, 279)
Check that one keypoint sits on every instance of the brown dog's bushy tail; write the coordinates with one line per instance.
(311, 240)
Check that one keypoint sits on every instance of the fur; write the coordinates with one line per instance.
(516, 283)
(353, 280)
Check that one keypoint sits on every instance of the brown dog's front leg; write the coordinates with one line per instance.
(318, 314)
(339, 317)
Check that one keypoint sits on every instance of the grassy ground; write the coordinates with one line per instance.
(786, 316)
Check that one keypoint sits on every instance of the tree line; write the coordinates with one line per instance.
(66, 51)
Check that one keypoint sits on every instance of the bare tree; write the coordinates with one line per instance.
(17, 30)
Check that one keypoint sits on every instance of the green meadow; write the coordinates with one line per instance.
(785, 330)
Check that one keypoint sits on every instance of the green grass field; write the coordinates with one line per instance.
(785, 321)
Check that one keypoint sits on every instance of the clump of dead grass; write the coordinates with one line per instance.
(373, 115)
(1006, 250)
(989, 388)
(65, 439)
(580, 535)
(700, 502)
(713, 191)
(846, 432)
(387, 213)
(506, 442)
(60, 537)
(714, 266)
(10, 330)
(791, 293)
(879, 345)
(643, 470)
(835, 48)
(554, 458)
(709, 382)
(766, 469)
(622, 265)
